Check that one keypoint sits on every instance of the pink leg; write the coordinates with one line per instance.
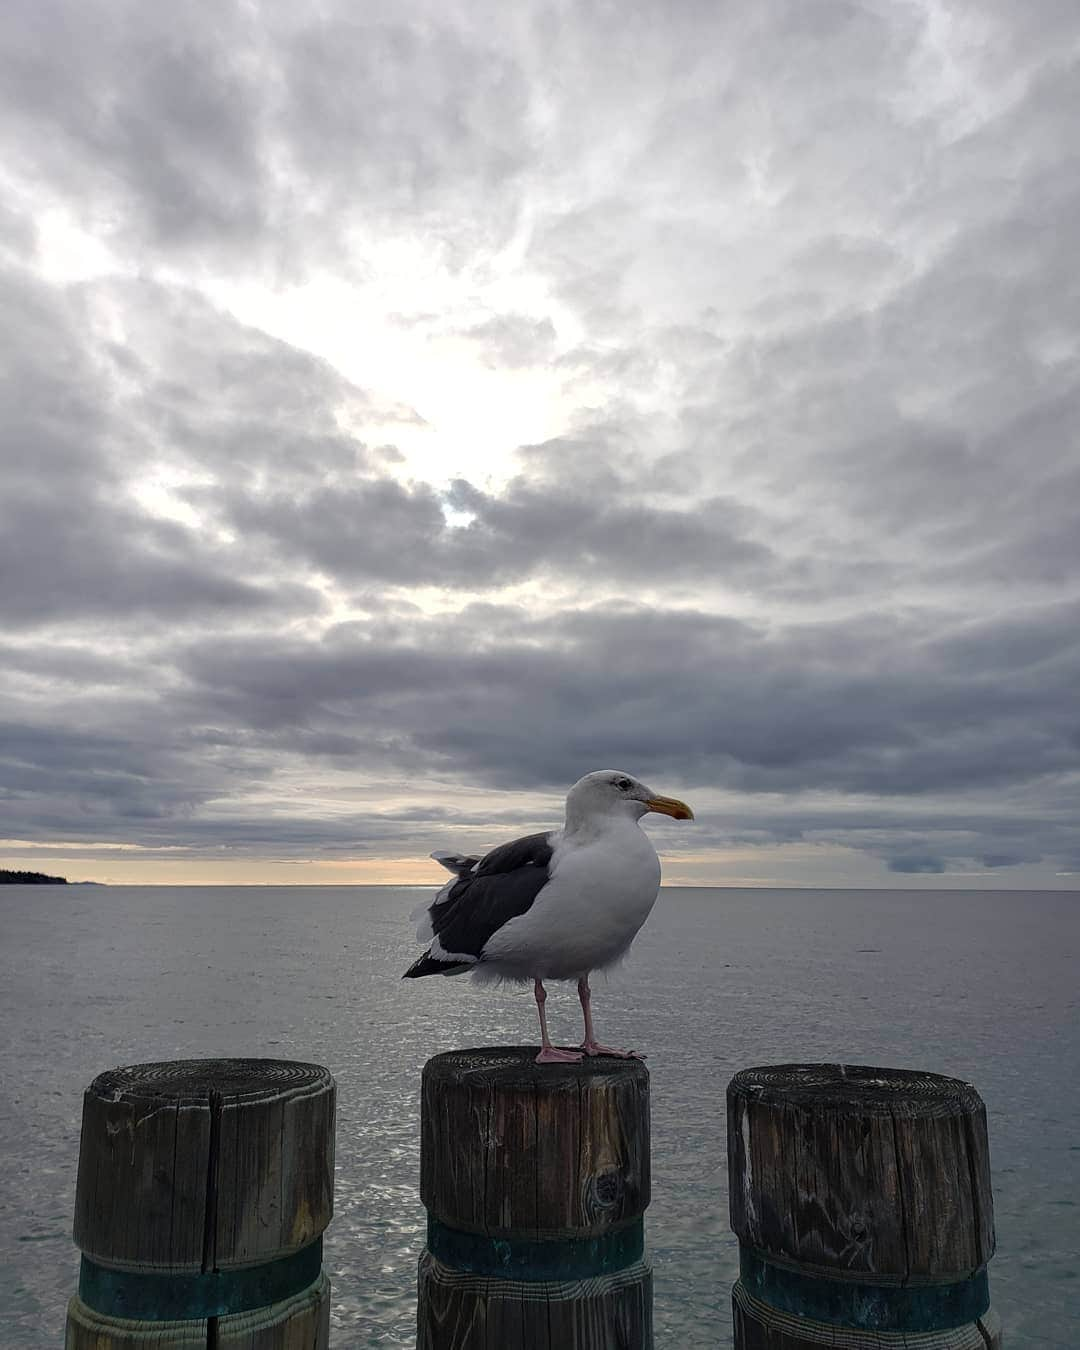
(549, 1054)
(590, 1044)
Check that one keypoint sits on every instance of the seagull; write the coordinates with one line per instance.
(555, 905)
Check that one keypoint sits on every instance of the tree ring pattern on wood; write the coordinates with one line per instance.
(186, 1082)
(856, 1087)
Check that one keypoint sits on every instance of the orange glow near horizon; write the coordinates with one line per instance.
(785, 865)
(152, 869)
(806, 865)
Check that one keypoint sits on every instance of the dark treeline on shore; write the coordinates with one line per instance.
(29, 879)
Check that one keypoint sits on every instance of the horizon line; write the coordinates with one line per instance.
(427, 886)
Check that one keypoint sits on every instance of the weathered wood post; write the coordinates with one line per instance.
(204, 1187)
(536, 1179)
(861, 1200)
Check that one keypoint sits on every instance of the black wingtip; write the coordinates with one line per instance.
(427, 965)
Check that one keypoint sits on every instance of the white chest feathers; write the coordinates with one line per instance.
(602, 889)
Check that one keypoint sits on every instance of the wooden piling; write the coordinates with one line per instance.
(535, 1179)
(203, 1190)
(861, 1200)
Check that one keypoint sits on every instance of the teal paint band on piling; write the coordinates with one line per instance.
(865, 1307)
(534, 1259)
(161, 1296)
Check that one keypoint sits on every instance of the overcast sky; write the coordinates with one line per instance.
(410, 407)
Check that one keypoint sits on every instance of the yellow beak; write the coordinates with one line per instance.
(670, 806)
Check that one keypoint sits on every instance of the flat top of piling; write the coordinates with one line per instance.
(190, 1081)
(859, 1088)
(515, 1065)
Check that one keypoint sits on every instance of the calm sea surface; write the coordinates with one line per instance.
(985, 986)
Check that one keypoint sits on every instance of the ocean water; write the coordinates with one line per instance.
(985, 986)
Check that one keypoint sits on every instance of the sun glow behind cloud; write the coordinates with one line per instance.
(396, 319)
(405, 331)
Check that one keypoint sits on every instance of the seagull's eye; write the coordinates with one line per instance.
(623, 784)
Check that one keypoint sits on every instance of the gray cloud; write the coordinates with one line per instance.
(803, 279)
(858, 707)
(914, 863)
(684, 699)
(514, 340)
(77, 559)
(151, 123)
(382, 530)
(73, 543)
(251, 135)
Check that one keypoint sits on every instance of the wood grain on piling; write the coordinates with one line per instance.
(883, 1174)
(202, 1166)
(853, 1175)
(516, 1151)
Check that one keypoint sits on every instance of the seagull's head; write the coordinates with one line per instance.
(610, 792)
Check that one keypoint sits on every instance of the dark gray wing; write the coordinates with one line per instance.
(501, 886)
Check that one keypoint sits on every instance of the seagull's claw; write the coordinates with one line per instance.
(593, 1048)
(553, 1055)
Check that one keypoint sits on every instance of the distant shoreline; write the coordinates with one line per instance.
(8, 878)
